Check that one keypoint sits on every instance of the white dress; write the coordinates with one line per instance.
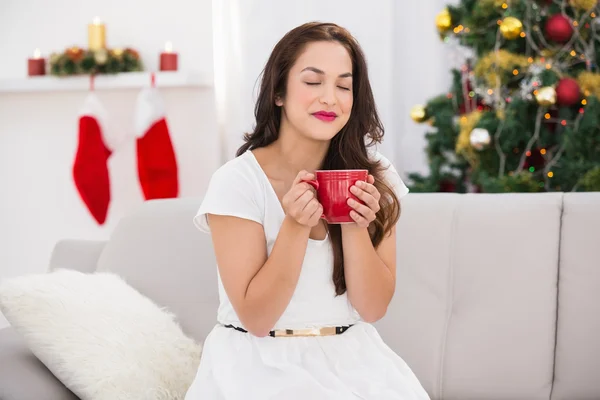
(235, 365)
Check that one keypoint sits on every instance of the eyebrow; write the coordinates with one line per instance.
(318, 71)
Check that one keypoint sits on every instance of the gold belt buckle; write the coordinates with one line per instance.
(326, 331)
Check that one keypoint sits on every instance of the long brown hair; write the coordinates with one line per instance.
(347, 149)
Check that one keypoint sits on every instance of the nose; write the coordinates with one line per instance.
(328, 96)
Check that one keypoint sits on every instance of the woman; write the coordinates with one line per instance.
(297, 297)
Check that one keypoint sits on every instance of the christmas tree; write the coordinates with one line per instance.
(523, 111)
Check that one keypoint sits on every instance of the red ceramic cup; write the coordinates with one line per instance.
(333, 192)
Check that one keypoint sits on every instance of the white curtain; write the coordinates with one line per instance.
(407, 61)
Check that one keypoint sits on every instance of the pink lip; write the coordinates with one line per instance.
(325, 116)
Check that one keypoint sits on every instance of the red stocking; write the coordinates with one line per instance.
(90, 169)
(157, 165)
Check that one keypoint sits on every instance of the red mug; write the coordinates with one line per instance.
(333, 192)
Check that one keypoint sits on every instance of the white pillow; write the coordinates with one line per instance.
(100, 337)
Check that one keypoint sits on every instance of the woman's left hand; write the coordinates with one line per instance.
(364, 214)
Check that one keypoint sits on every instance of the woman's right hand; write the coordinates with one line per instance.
(300, 202)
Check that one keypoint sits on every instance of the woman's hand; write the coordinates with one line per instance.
(300, 202)
(364, 214)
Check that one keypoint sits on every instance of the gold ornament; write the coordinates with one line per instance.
(480, 138)
(117, 52)
(418, 113)
(443, 21)
(585, 5)
(101, 56)
(546, 96)
(54, 57)
(511, 28)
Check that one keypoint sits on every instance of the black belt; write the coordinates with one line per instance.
(326, 331)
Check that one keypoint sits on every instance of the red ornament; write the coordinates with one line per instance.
(559, 28)
(567, 92)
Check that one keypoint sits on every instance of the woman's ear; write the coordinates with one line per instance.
(278, 101)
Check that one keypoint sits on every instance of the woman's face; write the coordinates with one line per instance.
(319, 97)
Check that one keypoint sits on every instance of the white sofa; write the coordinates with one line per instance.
(498, 296)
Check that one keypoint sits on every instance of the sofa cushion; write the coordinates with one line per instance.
(415, 321)
(100, 337)
(475, 306)
(77, 254)
(160, 252)
(577, 374)
(22, 374)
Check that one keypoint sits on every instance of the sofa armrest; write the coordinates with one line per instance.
(79, 255)
(23, 376)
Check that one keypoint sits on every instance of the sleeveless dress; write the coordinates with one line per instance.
(356, 364)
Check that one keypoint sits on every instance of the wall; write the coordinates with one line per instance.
(39, 203)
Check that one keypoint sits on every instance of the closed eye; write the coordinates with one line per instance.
(318, 83)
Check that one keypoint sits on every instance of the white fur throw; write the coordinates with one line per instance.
(100, 337)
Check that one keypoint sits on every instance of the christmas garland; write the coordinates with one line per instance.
(76, 61)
